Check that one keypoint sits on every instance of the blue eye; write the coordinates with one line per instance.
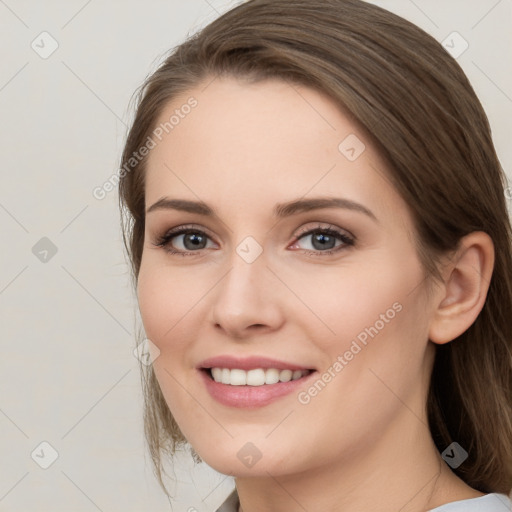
(194, 240)
(324, 240)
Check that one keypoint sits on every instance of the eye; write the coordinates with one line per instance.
(322, 240)
(189, 238)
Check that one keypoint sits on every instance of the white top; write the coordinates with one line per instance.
(493, 502)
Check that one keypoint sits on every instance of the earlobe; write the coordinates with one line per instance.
(465, 288)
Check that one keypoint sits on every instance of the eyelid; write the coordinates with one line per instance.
(324, 226)
(184, 227)
(319, 225)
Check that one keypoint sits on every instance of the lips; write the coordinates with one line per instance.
(249, 363)
(251, 382)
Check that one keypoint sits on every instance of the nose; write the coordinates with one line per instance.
(247, 300)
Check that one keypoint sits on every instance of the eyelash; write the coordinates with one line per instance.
(164, 240)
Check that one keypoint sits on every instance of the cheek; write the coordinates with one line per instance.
(153, 307)
(167, 293)
(166, 297)
(353, 301)
(380, 360)
(163, 304)
(378, 322)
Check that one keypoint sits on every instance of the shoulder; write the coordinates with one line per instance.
(493, 502)
(231, 503)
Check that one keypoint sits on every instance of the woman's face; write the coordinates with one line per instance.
(271, 283)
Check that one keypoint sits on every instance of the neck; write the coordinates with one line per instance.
(403, 471)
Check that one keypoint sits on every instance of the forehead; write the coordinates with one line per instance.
(275, 113)
(261, 142)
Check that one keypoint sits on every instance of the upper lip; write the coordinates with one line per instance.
(249, 363)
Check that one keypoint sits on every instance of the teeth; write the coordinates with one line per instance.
(256, 377)
(285, 375)
(272, 376)
(297, 374)
(238, 378)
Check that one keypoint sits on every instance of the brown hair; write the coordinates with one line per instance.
(420, 111)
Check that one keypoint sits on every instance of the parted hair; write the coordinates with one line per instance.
(415, 103)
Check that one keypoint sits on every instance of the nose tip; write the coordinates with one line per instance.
(239, 329)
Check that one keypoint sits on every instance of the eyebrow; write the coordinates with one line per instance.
(281, 210)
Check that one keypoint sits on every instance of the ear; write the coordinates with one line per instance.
(465, 287)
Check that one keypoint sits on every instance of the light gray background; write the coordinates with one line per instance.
(67, 372)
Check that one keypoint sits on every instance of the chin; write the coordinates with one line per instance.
(244, 459)
(233, 467)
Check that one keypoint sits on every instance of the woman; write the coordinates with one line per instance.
(316, 221)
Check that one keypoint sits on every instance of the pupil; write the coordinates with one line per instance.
(195, 240)
(322, 239)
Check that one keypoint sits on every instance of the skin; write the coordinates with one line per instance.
(364, 438)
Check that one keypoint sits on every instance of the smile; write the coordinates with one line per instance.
(256, 376)
(252, 382)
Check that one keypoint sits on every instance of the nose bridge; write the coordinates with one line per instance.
(244, 295)
(244, 283)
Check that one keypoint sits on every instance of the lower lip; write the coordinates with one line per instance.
(251, 396)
